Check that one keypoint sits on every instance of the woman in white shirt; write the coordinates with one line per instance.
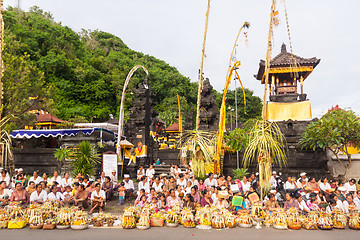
(5, 177)
(140, 173)
(55, 195)
(350, 186)
(290, 183)
(39, 196)
(144, 184)
(157, 185)
(324, 185)
(56, 178)
(66, 180)
(35, 178)
(97, 198)
(181, 181)
(150, 172)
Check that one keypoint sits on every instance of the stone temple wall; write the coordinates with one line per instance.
(299, 160)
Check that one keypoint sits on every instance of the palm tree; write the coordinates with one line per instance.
(84, 159)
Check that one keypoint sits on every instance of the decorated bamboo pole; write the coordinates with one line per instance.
(222, 121)
(121, 115)
(268, 58)
(201, 68)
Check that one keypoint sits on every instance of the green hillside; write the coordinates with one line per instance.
(79, 75)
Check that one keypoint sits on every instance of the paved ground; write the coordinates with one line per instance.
(179, 233)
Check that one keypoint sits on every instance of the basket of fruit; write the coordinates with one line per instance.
(156, 220)
(172, 219)
(244, 221)
(144, 222)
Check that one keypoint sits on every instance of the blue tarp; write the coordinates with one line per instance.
(56, 132)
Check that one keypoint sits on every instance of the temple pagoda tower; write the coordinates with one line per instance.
(286, 79)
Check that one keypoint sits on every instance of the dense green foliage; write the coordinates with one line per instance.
(253, 105)
(84, 159)
(78, 74)
(334, 131)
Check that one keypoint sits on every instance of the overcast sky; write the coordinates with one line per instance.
(173, 31)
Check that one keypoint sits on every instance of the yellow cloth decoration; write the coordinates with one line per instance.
(180, 121)
(284, 111)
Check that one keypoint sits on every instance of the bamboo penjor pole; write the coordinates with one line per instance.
(201, 68)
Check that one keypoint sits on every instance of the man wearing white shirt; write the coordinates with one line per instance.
(290, 184)
(157, 185)
(357, 198)
(102, 177)
(303, 177)
(97, 198)
(210, 181)
(35, 178)
(39, 196)
(273, 182)
(129, 186)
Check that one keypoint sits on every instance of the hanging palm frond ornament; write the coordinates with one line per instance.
(231, 70)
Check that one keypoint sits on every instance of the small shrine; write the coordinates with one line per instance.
(287, 74)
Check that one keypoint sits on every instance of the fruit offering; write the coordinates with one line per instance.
(325, 221)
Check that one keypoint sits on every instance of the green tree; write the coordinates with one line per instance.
(335, 131)
(253, 105)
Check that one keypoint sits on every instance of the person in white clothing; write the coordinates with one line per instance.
(290, 184)
(302, 204)
(157, 185)
(273, 182)
(5, 177)
(350, 186)
(150, 172)
(339, 203)
(66, 180)
(245, 185)
(140, 173)
(181, 181)
(39, 196)
(324, 185)
(35, 178)
(357, 198)
(55, 195)
(129, 186)
(176, 171)
(97, 198)
(210, 181)
(144, 184)
(303, 177)
(349, 203)
(102, 177)
(55, 178)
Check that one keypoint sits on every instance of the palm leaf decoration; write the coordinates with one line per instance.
(267, 146)
(6, 143)
(205, 142)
